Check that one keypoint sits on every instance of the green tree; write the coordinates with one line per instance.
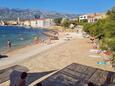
(113, 9)
(108, 12)
(74, 22)
(65, 23)
(58, 21)
(105, 28)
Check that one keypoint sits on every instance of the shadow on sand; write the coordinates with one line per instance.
(3, 56)
(5, 74)
(31, 77)
(37, 75)
(13, 74)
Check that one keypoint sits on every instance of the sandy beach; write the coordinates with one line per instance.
(57, 55)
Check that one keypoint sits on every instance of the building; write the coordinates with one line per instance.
(92, 18)
(36, 23)
(25, 23)
(83, 17)
(11, 22)
(48, 22)
(41, 22)
(2, 23)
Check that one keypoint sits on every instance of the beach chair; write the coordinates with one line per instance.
(95, 51)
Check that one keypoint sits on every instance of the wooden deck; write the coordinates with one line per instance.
(79, 75)
(6, 73)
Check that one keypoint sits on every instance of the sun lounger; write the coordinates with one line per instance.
(107, 53)
(95, 51)
(95, 56)
(102, 63)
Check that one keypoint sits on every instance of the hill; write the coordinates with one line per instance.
(12, 14)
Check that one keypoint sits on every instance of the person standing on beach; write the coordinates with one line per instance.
(9, 43)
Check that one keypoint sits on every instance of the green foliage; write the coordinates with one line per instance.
(111, 43)
(75, 22)
(113, 9)
(58, 21)
(108, 12)
(83, 21)
(66, 23)
(105, 27)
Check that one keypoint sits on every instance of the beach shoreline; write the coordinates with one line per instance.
(50, 30)
(5, 49)
(58, 55)
(25, 49)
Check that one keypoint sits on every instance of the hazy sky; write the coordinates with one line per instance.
(66, 6)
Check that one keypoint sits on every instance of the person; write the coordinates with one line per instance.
(9, 44)
(94, 45)
(92, 39)
(77, 31)
(36, 40)
(22, 80)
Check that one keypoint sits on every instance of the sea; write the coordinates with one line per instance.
(19, 36)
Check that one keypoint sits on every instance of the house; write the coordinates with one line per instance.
(83, 17)
(92, 18)
(11, 22)
(36, 23)
(25, 23)
(42, 22)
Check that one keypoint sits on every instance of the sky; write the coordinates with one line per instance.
(64, 6)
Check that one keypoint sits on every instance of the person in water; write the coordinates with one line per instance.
(9, 44)
(36, 40)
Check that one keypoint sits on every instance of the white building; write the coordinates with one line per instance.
(48, 22)
(41, 22)
(83, 17)
(36, 23)
(92, 18)
(25, 23)
(2, 23)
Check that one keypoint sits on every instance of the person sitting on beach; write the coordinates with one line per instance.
(22, 81)
(94, 45)
(92, 38)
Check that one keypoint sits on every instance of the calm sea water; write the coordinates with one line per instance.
(19, 36)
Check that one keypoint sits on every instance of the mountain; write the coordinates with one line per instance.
(13, 14)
